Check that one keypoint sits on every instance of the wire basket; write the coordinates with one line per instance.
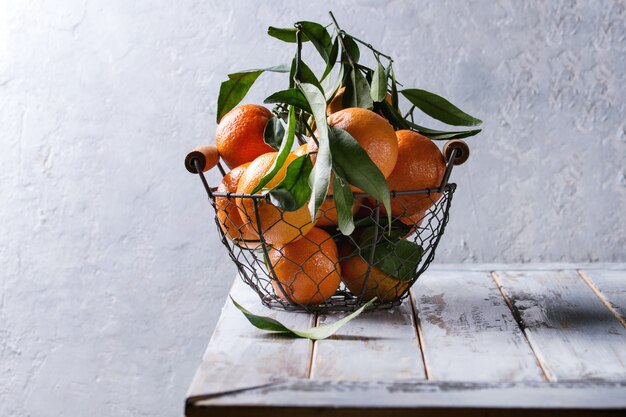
(317, 268)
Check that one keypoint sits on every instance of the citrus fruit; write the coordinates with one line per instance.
(327, 214)
(239, 134)
(307, 269)
(276, 225)
(420, 165)
(375, 135)
(336, 103)
(379, 284)
(227, 214)
(300, 150)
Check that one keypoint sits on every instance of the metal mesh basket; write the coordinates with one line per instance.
(324, 270)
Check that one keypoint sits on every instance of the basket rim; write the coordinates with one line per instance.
(449, 186)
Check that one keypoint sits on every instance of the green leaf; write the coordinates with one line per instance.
(283, 152)
(403, 259)
(395, 256)
(290, 96)
(294, 190)
(352, 49)
(332, 59)
(392, 115)
(314, 333)
(274, 132)
(344, 202)
(357, 167)
(394, 88)
(306, 75)
(397, 229)
(379, 84)
(320, 176)
(440, 134)
(285, 34)
(261, 322)
(331, 92)
(439, 108)
(319, 37)
(233, 90)
(357, 92)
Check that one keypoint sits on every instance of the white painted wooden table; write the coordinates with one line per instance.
(479, 340)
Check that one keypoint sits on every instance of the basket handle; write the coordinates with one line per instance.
(462, 151)
(206, 156)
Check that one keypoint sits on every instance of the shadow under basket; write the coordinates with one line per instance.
(296, 266)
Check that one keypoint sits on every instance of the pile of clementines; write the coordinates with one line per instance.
(312, 181)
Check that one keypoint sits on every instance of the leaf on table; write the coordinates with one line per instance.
(314, 333)
(233, 90)
(439, 108)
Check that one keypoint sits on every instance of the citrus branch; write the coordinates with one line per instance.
(367, 45)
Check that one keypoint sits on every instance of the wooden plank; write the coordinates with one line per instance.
(240, 356)
(569, 328)
(610, 286)
(378, 345)
(468, 331)
(549, 266)
(409, 398)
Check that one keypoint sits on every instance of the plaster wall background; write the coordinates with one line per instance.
(112, 276)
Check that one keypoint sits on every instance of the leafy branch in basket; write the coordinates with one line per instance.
(304, 111)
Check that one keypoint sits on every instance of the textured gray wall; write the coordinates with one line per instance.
(111, 274)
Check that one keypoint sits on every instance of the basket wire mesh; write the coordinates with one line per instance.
(354, 276)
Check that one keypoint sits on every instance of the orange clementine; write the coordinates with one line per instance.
(336, 103)
(300, 150)
(239, 135)
(420, 165)
(379, 284)
(327, 216)
(307, 269)
(277, 226)
(375, 135)
(227, 214)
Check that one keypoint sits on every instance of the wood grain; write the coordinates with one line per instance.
(429, 398)
(548, 266)
(378, 345)
(468, 332)
(574, 335)
(610, 286)
(240, 356)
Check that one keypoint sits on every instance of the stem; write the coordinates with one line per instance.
(340, 34)
(409, 112)
(296, 75)
(369, 45)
